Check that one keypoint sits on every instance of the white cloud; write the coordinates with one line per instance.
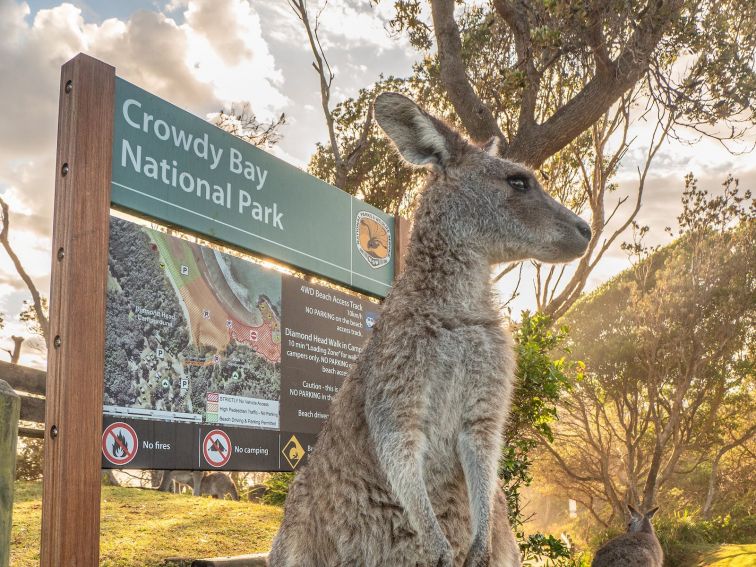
(217, 55)
(225, 48)
(343, 25)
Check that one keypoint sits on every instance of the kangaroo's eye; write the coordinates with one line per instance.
(518, 183)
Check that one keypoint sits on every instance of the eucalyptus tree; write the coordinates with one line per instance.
(668, 349)
(559, 83)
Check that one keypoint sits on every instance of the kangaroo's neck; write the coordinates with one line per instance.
(439, 274)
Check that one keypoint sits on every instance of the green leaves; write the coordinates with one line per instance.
(543, 377)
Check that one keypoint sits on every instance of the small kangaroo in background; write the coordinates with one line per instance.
(218, 485)
(639, 547)
(215, 484)
(404, 469)
(173, 480)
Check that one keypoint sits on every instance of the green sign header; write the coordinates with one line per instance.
(179, 169)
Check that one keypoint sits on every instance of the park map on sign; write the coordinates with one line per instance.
(192, 334)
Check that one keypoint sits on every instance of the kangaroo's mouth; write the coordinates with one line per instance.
(571, 244)
(577, 237)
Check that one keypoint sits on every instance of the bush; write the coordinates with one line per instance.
(683, 535)
(543, 375)
(548, 551)
(278, 487)
(29, 459)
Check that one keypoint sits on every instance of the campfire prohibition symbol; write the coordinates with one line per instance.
(119, 443)
(218, 447)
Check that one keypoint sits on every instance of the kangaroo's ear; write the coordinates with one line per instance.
(421, 139)
(633, 512)
(650, 513)
(491, 147)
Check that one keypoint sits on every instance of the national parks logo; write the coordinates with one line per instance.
(373, 239)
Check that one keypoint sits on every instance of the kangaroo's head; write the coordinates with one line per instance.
(640, 522)
(476, 199)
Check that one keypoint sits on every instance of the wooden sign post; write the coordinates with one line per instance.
(73, 419)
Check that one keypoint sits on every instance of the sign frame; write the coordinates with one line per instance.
(74, 406)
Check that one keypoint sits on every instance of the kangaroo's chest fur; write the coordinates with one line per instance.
(434, 375)
(467, 381)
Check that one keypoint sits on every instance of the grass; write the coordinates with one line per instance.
(730, 555)
(144, 527)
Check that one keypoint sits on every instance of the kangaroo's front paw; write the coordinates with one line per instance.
(479, 554)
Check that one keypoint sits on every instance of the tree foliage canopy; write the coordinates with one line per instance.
(668, 347)
(538, 73)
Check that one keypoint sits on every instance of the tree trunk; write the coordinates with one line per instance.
(36, 298)
(711, 493)
(109, 478)
(649, 490)
(15, 354)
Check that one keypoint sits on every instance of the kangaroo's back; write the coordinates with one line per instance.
(639, 547)
(218, 485)
(630, 550)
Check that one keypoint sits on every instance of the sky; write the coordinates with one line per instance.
(206, 54)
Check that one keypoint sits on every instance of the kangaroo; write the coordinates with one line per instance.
(404, 469)
(636, 548)
(214, 484)
(257, 492)
(172, 480)
(218, 485)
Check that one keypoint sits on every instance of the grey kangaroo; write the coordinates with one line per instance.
(172, 481)
(636, 548)
(216, 484)
(404, 470)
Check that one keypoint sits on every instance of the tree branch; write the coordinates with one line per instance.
(533, 143)
(574, 117)
(517, 20)
(477, 118)
(36, 298)
(325, 74)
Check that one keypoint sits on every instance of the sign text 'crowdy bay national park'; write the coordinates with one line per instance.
(174, 167)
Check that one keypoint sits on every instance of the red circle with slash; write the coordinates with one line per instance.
(119, 443)
(216, 448)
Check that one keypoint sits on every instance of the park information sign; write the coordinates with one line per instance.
(212, 361)
(183, 171)
(215, 362)
(168, 354)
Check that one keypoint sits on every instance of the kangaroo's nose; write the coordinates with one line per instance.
(584, 229)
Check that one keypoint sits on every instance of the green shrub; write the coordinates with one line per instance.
(29, 459)
(278, 487)
(549, 551)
